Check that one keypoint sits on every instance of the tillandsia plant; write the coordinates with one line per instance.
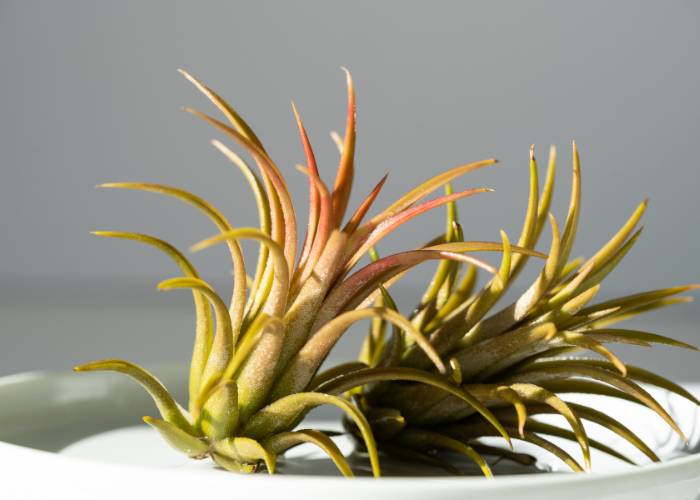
(253, 374)
(512, 360)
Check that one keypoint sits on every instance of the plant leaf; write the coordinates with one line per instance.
(239, 273)
(344, 177)
(272, 172)
(306, 362)
(357, 378)
(281, 414)
(471, 431)
(183, 442)
(567, 239)
(264, 214)
(622, 335)
(167, 406)
(246, 450)
(535, 393)
(231, 115)
(279, 443)
(357, 217)
(369, 234)
(203, 322)
(219, 416)
(544, 371)
(224, 336)
(427, 187)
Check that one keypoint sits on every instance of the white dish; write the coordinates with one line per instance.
(78, 436)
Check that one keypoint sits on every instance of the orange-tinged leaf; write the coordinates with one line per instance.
(344, 177)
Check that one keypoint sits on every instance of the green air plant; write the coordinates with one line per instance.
(512, 360)
(253, 373)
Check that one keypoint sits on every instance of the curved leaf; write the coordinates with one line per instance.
(544, 371)
(203, 322)
(357, 378)
(219, 416)
(246, 450)
(279, 443)
(427, 187)
(231, 115)
(344, 176)
(283, 413)
(167, 406)
(622, 335)
(535, 393)
(224, 335)
(567, 239)
(278, 301)
(263, 204)
(183, 442)
(553, 430)
(306, 362)
(272, 172)
(239, 273)
(471, 431)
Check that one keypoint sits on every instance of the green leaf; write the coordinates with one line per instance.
(491, 356)
(535, 393)
(278, 296)
(585, 342)
(304, 365)
(622, 335)
(279, 443)
(283, 413)
(528, 236)
(203, 323)
(487, 297)
(465, 432)
(271, 172)
(258, 369)
(530, 300)
(167, 406)
(231, 115)
(567, 240)
(263, 203)
(427, 187)
(246, 451)
(224, 336)
(186, 443)
(545, 371)
(361, 377)
(599, 418)
(643, 375)
(547, 190)
(219, 416)
(358, 286)
(239, 273)
(552, 430)
(335, 371)
(369, 235)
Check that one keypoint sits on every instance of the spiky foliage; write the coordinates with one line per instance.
(255, 358)
(512, 360)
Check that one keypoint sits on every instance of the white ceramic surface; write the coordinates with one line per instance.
(78, 436)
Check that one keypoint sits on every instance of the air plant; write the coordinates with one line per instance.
(253, 373)
(514, 360)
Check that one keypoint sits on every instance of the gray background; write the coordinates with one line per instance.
(89, 93)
